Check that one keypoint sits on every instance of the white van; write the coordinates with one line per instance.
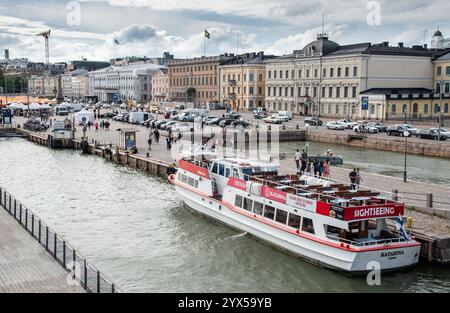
(288, 114)
(139, 117)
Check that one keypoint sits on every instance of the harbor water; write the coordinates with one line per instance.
(135, 228)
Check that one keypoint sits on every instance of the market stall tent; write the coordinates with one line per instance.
(86, 115)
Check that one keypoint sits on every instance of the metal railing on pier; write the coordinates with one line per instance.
(80, 269)
(429, 200)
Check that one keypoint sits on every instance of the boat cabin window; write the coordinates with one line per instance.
(269, 212)
(184, 178)
(247, 204)
(294, 221)
(247, 172)
(221, 170)
(235, 172)
(281, 216)
(307, 225)
(238, 201)
(227, 172)
(214, 168)
(337, 232)
(258, 208)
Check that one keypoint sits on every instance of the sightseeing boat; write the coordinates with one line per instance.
(320, 220)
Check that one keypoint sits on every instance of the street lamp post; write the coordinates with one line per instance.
(306, 141)
(405, 175)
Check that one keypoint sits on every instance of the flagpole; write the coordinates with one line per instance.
(204, 43)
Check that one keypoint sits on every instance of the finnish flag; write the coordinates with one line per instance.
(400, 225)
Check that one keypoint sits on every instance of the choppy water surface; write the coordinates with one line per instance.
(135, 228)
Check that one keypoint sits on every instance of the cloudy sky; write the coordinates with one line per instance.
(87, 28)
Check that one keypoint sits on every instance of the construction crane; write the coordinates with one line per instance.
(46, 35)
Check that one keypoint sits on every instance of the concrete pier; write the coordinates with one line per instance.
(25, 266)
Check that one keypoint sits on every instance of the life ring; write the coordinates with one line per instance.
(172, 178)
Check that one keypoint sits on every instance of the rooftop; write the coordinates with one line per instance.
(395, 91)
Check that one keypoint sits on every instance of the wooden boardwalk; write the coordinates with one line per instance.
(25, 266)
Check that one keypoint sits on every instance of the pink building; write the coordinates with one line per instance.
(160, 86)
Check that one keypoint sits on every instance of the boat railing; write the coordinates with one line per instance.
(368, 242)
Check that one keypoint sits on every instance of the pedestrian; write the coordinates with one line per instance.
(310, 168)
(169, 143)
(107, 125)
(358, 178)
(297, 159)
(353, 176)
(327, 169)
(321, 169)
(316, 168)
(304, 165)
(96, 126)
(157, 134)
(304, 155)
(89, 125)
(150, 140)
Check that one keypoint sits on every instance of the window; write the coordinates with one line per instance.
(251, 90)
(447, 71)
(259, 90)
(437, 109)
(269, 212)
(257, 208)
(292, 74)
(447, 88)
(274, 74)
(227, 172)
(184, 178)
(355, 71)
(337, 109)
(221, 170)
(287, 74)
(238, 201)
(316, 73)
(394, 108)
(331, 72)
(247, 205)
(339, 72)
(308, 225)
(260, 77)
(324, 72)
(439, 71)
(372, 109)
(405, 108)
(330, 92)
(270, 74)
(347, 71)
(214, 168)
(294, 221)
(338, 92)
(251, 77)
(354, 92)
(345, 92)
(446, 108)
(281, 216)
(438, 87)
(425, 108)
(307, 73)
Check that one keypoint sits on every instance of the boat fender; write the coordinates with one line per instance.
(172, 178)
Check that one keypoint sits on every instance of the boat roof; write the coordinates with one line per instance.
(245, 163)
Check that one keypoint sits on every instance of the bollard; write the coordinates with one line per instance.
(429, 200)
(298, 126)
(98, 281)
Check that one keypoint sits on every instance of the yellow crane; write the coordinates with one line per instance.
(46, 35)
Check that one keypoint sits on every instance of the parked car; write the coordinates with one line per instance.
(160, 124)
(288, 114)
(147, 122)
(430, 134)
(233, 116)
(225, 122)
(443, 131)
(282, 117)
(182, 128)
(240, 124)
(336, 126)
(381, 128)
(397, 130)
(214, 121)
(272, 120)
(410, 128)
(313, 121)
(260, 113)
(365, 128)
(63, 112)
(348, 123)
(168, 125)
(170, 113)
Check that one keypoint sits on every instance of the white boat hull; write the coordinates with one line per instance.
(314, 251)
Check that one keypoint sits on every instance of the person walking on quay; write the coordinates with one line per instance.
(353, 176)
(303, 166)
(107, 125)
(358, 178)
(157, 134)
(297, 159)
(326, 167)
(321, 169)
(89, 125)
(96, 126)
(316, 168)
(304, 155)
(150, 141)
(169, 143)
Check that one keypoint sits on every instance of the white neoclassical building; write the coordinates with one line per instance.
(326, 79)
(128, 82)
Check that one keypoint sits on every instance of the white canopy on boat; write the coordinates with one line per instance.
(17, 106)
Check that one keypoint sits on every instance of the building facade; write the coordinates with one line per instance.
(45, 85)
(75, 84)
(160, 85)
(123, 83)
(196, 80)
(243, 81)
(326, 79)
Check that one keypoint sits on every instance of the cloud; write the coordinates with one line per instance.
(136, 32)
(290, 43)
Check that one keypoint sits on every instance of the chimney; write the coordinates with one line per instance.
(386, 43)
(6, 54)
(400, 44)
(425, 46)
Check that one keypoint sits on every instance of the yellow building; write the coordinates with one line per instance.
(242, 81)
